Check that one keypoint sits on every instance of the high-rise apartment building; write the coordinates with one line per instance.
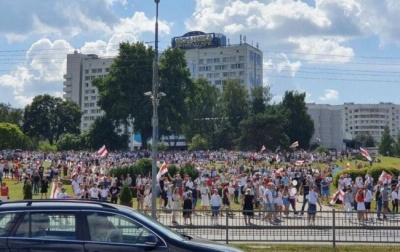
(209, 57)
(335, 123)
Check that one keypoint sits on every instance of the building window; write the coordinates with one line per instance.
(107, 70)
(201, 62)
(86, 98)
(218, 67)
(87, 77)
(216, 75)
(218, 82)
(241, 58)
(232, 74)
(94, 98)
(226, 74)
(99, 70)
(210, 75)
(86, 71)
(94, 70)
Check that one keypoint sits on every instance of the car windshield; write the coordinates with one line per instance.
(150, 222)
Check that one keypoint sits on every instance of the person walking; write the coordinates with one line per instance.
(313, 200)
(187, 206)
(175, 205)
(348, 203)
(248, 207)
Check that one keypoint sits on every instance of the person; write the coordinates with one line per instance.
(360, 197)
(63, 194)
(44, 188)
(306, 190)
(147, 198)
(140, 197)
(313, 200)
(205, 196)
(79, 194)
(286, 201)
(385, 200)
(367, 201)
(94, 192)
(195, 196)
(225, 200)
(103, 193)
(278, 201)
(348, 203)
(325, 189)
(4, 192)
(114, 191)
(187, 206)
(215, 202)
(395, 200)
(269, 203)
(175, 198)
(35, 180)
(248, 206)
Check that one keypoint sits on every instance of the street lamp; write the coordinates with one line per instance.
(155, 98)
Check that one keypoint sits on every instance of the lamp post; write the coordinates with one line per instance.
(155, 97)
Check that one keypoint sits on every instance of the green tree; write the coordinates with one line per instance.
(260, 97)
(385, 147)
(122, 90)
(70, 141)
(11, 137)
(300, 126)
(366, 140)
(396, 146)
(198, 143)
(49, 117)
(10, 115)
(103, 132)
(175, 82)
(202, 106)
(263, 129)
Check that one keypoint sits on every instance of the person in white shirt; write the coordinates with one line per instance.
(313, 199)
(205, 196)
(395, 201)
(75, 184)
(62, 194)
(215, 206)
(103, 193)
(80, 193)
(94, 192)
(367, 201)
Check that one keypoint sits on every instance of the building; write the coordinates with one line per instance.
(81, 70)
(336, 124)
(209, 57)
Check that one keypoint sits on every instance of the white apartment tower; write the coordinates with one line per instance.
(335, 123)
(209, 57)
(81, 70)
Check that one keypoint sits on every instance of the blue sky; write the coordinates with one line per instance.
(334, 50)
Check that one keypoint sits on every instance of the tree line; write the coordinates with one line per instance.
(209, 117)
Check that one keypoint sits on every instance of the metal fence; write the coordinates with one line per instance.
(330, 227)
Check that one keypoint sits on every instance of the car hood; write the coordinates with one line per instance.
(212, 245)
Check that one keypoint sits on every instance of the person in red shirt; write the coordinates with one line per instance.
(4, 192)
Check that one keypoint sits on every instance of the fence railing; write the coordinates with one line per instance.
(329, 227)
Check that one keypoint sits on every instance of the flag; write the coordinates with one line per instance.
(54, 190)
(295, 144)
(263, 148)
(102, 151)
(365, 153)
(385, 177)
(299, 162)
(339, 195)
(162, 171)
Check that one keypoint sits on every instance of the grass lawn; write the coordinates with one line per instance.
(261, 247)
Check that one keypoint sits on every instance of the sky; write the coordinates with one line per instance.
(336, 51)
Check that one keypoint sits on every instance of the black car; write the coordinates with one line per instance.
(74, 225)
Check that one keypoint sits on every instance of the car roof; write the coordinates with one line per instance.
(55, 204)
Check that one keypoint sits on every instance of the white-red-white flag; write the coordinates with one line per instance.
(162, 171)
(102, 151)
(365, 153)
(299, 162)
(295, 144)
(385, 177)
(263, 148)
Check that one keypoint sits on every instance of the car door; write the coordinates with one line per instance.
(7, 223)
(114, 232)
(46, 231)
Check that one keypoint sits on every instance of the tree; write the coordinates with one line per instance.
(385, 147)
(300, 126)
(49, 117)
(126, 197)
(122, 90)
(366, 140)
(12, 137)
(263, 129)
(260, 97)
(203, 112)
(10, 115)
(198, 143)
(396, 146)
(102, 132)
(69, 141)
(175, 82)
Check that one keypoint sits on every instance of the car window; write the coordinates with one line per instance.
(7, 222)
(48, 226)
(105, 227)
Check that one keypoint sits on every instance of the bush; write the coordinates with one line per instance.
(126, 196)
(374, 171)
(190, 170)
(173, 170)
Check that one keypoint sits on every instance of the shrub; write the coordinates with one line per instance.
(126, 197)
(374, 171)
(190, 170)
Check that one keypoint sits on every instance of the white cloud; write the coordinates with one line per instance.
(330, 95)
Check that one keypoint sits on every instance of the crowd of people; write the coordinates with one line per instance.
(265, 184)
